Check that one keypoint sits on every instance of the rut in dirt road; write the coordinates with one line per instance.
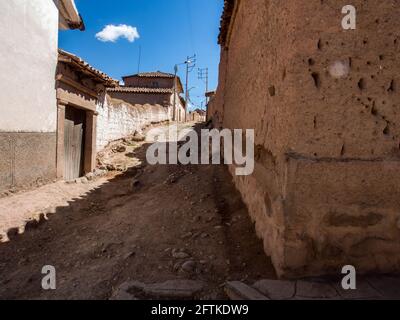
(150, 224)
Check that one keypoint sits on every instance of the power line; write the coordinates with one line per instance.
(203, 75)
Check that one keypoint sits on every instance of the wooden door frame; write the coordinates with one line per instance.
(89, 153)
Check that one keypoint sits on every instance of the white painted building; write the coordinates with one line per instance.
(28, 106)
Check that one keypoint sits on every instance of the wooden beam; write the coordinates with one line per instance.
(64, 79)
(76, 100)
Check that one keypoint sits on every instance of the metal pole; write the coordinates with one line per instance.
(174, 117)
(187, 87)
(207, 86)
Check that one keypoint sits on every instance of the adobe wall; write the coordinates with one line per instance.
(118, 119)
(142, 98)
(324, 103)
(180, 108)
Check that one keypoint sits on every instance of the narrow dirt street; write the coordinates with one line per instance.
(148, 223)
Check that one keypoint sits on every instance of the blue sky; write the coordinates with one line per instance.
(170, 30)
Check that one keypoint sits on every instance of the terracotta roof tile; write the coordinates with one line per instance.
(141, 90)
(157, 74)
(229, 6)
(84, 65)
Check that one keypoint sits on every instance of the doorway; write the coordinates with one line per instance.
(74, 143)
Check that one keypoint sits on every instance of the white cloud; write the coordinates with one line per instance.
(111, 33)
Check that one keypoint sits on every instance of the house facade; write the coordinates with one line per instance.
(197, 115)
(154, 88)
(80, 90)
(28, 121)
(145, 99)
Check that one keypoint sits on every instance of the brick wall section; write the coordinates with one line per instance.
(117, 119)
(325, 191)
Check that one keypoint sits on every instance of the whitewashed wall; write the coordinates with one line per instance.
(118, 120)
(28, 59)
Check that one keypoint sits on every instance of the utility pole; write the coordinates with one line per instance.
(174, 117)
(190, 65)
(203, 75)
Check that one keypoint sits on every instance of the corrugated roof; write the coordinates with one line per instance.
(141, 90)
(84, 65)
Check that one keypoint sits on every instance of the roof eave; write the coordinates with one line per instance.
(69, 58)
(70, 18)
(227, 21)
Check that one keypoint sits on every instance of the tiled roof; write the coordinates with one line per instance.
(157, 74)
(229, 6)
(141, 90)
(85, 66)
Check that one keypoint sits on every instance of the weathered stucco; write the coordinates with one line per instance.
(28, 56)
(118, 119)
(28, 59)
(324, 105)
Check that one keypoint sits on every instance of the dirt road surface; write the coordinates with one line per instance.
(131, 227)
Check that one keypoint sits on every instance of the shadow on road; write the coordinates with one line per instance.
(129, 229)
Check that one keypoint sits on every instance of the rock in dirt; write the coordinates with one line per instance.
(173, 289)
(122, 293)
(189, 266)
(315, 290)
(90, 176)
(237, 290)
(276, 289)
(84, 180)
(119, 149)
(111, 167)
(135, 185)
(100, 172)
(138, 137)
(129, 255)
(180, 254)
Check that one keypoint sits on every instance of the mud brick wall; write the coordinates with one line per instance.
(118, 119)
(325, 106)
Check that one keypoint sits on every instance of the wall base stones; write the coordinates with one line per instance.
(26, 159)
(329, 214)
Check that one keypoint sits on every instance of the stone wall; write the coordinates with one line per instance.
(324, 103)
(118, 119)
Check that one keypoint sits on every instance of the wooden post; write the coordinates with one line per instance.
(61, 105)
(90, 141)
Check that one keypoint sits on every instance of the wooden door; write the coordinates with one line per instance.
(73, 143)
